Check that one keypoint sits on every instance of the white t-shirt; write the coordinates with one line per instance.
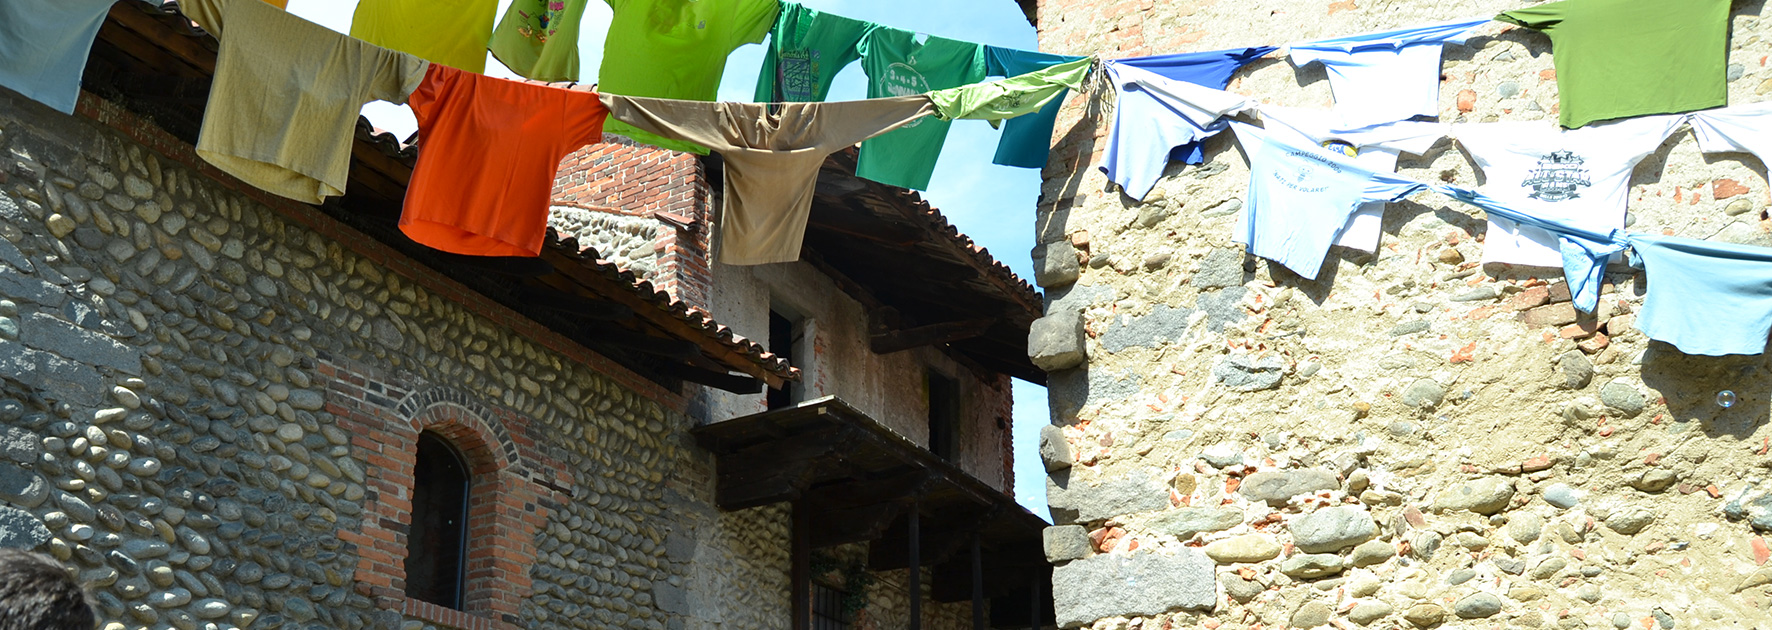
(1376, 148)
(1577, 177)
(1738, 129)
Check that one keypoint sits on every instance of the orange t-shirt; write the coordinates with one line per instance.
(488, 151)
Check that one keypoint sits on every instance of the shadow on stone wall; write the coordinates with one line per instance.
(1690, 385)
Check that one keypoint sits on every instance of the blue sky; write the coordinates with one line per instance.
(992, 204)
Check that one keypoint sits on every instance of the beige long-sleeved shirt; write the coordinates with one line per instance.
(772, 158)
(286, 96)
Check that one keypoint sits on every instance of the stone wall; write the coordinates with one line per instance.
(631, 242)
(1414, 439)
(207, 395)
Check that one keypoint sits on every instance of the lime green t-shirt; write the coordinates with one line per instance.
(539, 39)
(899, 66)
(449, 32)
(806, 50)
(1623, 58)
(676, 49)
(1015, 96)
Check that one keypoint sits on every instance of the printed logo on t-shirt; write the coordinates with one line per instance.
(799, 74)
(1303, 174)
(1560, 176)
(1337, 146)
(903, 80)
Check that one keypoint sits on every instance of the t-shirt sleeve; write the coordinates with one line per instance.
(1542, 17)
(423, 100)
(754, 20)
(209, 14)
(396, 74)
(585, 114)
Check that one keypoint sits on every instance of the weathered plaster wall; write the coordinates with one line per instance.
(1415, 439)
(202, 399)
(835, 359)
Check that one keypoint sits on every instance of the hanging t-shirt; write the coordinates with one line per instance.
(1012, 97)
(1376, 148)
(1386, 76)
(1026, 141)
(1154, 117)
(1623, 58)
(1300, 196)
(286, 95)
(1738, 129)
(450, 32)
(538, 39)
(772, 154)
(899, 66)
(1705, 298)
(676, 49)
(1584, 253)
(43, 47)
(1161, 114)
(488, 151)
(1577, 177)
(806, 50)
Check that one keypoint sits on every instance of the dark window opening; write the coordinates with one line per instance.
(436, 545)
(944, 415)
(781, 342)
(827, 608)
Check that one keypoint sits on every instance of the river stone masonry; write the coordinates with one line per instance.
(1426, 441)
(174, 423)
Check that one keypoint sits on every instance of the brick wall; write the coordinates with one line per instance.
(514, 485)
(622, 177)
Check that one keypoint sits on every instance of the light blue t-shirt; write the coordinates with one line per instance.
(1300, 197)
(1385, 76)
(1584, 252)
(1704, 297)
(1159, 116)
(44, 44)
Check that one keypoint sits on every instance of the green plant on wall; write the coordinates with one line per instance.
(853, 577)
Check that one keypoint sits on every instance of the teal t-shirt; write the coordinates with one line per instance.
(806, 50)
(899, 66)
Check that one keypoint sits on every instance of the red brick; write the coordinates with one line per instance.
(1554, 315)
(1467, 101)
(1726, 188)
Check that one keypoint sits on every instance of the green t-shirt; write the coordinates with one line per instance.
(806, 50)
(1623, 58)
(898, 66)
(1008, 98)
(539, 39)
(676, 49)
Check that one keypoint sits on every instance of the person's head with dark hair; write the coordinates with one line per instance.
(37, 594)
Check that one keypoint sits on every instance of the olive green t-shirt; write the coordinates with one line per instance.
(1624, 58)
(538, 39)
(676, 49)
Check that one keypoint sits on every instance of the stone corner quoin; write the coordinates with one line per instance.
(1416, 439)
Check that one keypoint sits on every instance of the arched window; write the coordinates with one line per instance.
(436, 545)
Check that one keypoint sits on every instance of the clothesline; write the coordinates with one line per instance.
(286, 92)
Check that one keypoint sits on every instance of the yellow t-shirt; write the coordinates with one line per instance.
(286, 96)
(450, 32)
